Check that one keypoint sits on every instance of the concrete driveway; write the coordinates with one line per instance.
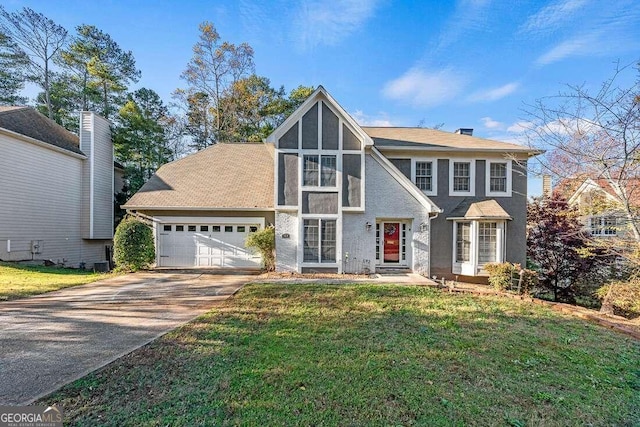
(49, 340)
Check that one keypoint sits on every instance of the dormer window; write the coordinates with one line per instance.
(319, 171)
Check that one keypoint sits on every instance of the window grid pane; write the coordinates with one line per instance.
(487, 242)
(424, 175)
(328, 243)
(311, 240)
(498, 177)
(463, 242)
(377, 241)
(310, 172)
(328, 176)
(461, 176)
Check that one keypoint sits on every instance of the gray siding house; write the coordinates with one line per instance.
(56, 189)
(344, 198)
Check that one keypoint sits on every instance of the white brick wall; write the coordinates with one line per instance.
(286, 249)
(387, 199)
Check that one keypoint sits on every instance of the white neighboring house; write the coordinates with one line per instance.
(596, 201)
(56, 188)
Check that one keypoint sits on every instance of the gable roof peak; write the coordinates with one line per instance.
(319, 94)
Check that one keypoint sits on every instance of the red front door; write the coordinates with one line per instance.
(391, 242)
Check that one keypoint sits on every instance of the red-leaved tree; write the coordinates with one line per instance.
(556, 246)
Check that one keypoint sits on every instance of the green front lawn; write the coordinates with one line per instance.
(18, 281)
(368, 355)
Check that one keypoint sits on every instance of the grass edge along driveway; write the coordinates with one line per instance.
(368, 355)
(19, 281)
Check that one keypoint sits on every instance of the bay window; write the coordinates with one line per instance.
(477, 243)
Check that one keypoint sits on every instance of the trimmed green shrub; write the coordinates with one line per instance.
(133, 246)
(622, 297)
(264, 241)
(501, 274)
(504, 276)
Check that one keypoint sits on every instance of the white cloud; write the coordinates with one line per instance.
(577, 46)
(489, 123)
(495, 93)
(327, 23)
(382, 119)
(550, 17)
(473, 13)
(519, 127)
(425, 88)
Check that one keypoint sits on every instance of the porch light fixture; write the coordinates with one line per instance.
(368, 226)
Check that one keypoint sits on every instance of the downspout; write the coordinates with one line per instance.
(432, 216)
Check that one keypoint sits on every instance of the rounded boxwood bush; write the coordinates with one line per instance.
(133, 246)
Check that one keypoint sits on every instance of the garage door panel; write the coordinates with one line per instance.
(212, 245)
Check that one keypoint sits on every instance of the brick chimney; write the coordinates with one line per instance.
(546, 185)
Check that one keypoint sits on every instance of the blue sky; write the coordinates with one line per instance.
(466, 63)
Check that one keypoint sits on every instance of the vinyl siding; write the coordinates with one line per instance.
(97, 177)
(40, 199)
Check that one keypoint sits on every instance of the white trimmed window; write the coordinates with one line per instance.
(319, 171)
(603, 225)
(477, 243)
(425, 175)
(498, 178)
(462, 177)
(463, 242)
(319, 240)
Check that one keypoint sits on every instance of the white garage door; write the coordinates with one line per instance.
(206, 245)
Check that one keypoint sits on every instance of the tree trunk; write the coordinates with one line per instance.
(607, 306)
(105, 100)
(47, 91)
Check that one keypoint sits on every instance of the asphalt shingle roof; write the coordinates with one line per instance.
(29, 122)
(471, 208)
(390, 137)
(233, 176)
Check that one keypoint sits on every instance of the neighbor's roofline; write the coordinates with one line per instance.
(192, 208)
(44, 144)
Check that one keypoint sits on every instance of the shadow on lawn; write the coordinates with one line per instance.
(365, 354)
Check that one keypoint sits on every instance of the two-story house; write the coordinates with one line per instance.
(56, 188)
(344, 198)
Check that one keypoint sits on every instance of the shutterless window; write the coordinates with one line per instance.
(192, 228)
(328, 176)
(461, 176)
(179, 227)
(319, 243)
(166, 228)
(204, 228)
(215, 228)
(487, 242)
(241, 229)
(603, 226)
(253, 228)
(498, 177)
(319, 171)
(228, 228)
(424, 175)
(463, 242)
